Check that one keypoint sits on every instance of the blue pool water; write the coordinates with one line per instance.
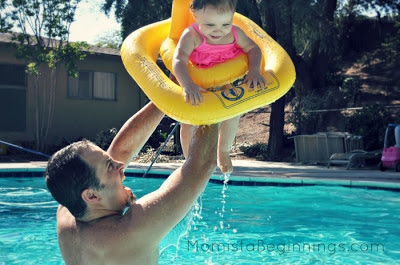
(237, 225)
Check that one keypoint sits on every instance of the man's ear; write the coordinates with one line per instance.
(90, 196)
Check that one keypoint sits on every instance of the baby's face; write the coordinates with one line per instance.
(214, 22)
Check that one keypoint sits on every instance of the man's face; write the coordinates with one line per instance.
(114, 196)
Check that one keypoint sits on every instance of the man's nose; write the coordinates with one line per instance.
(119, 164)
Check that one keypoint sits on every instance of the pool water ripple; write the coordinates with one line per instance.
(240, 220)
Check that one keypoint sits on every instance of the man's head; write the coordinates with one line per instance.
(82, 174)
(67, 175)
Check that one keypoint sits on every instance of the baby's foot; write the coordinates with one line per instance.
(225, 163)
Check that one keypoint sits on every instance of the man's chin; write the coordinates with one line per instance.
(128, 204)
(131, 200)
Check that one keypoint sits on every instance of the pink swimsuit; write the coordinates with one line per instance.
(207, 55)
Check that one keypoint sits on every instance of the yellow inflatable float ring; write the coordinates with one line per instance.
(228, 96)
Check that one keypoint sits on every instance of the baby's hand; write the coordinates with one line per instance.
(193, 94)
(254, 79)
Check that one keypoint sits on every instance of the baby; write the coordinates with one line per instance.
(211, 40)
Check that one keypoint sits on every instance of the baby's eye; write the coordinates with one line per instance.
(210, 25)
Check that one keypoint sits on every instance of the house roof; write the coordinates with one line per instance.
(7, 38)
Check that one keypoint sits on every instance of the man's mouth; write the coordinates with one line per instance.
(132, 196)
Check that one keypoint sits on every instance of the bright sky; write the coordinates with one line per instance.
(91, 22)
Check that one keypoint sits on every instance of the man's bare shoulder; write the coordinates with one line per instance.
(66, 223)
(113, 239)
(106, 229)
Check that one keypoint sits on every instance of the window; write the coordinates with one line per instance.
(12, 75)
(92, 85)
(12, 98)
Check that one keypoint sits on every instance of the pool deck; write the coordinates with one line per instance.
(271, 172)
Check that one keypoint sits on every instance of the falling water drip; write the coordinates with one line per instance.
(223, 201)
(194, 214)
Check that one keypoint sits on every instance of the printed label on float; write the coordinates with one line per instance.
(238, 92)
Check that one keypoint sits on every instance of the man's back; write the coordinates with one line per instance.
(104, 241)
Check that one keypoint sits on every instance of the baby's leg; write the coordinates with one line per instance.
(227, 135)
(186, 137)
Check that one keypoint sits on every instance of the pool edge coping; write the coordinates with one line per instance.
(275, 179)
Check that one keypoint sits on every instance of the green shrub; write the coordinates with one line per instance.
(350, 90)
(371, 123)
(104, 138)
(258, 150)
(332, 97)
(157, 138)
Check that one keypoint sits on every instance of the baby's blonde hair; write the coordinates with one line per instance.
(200, 4)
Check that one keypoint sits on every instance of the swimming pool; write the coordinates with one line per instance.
(238, 225)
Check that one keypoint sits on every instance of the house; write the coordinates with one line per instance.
(103, 96)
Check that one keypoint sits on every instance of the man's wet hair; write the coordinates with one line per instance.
(67, 175)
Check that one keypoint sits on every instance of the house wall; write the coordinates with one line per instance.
(9, 108)
(76, 118)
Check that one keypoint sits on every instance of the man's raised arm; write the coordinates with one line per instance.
(135, 133)
(158, 212)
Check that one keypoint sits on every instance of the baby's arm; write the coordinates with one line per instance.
(185, 47)
(254, 77)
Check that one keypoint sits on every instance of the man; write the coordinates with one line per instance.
(87, 182)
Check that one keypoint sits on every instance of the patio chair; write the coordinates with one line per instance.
(355, 158)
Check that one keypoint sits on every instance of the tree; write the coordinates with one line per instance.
(284, 35)
(109, 39)
(304, 29)
(136, 14)
(313, 32)
(308, 31)
(5, 23)
(379, 7)
(43, 44)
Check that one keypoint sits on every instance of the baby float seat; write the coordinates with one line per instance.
(228, 97)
